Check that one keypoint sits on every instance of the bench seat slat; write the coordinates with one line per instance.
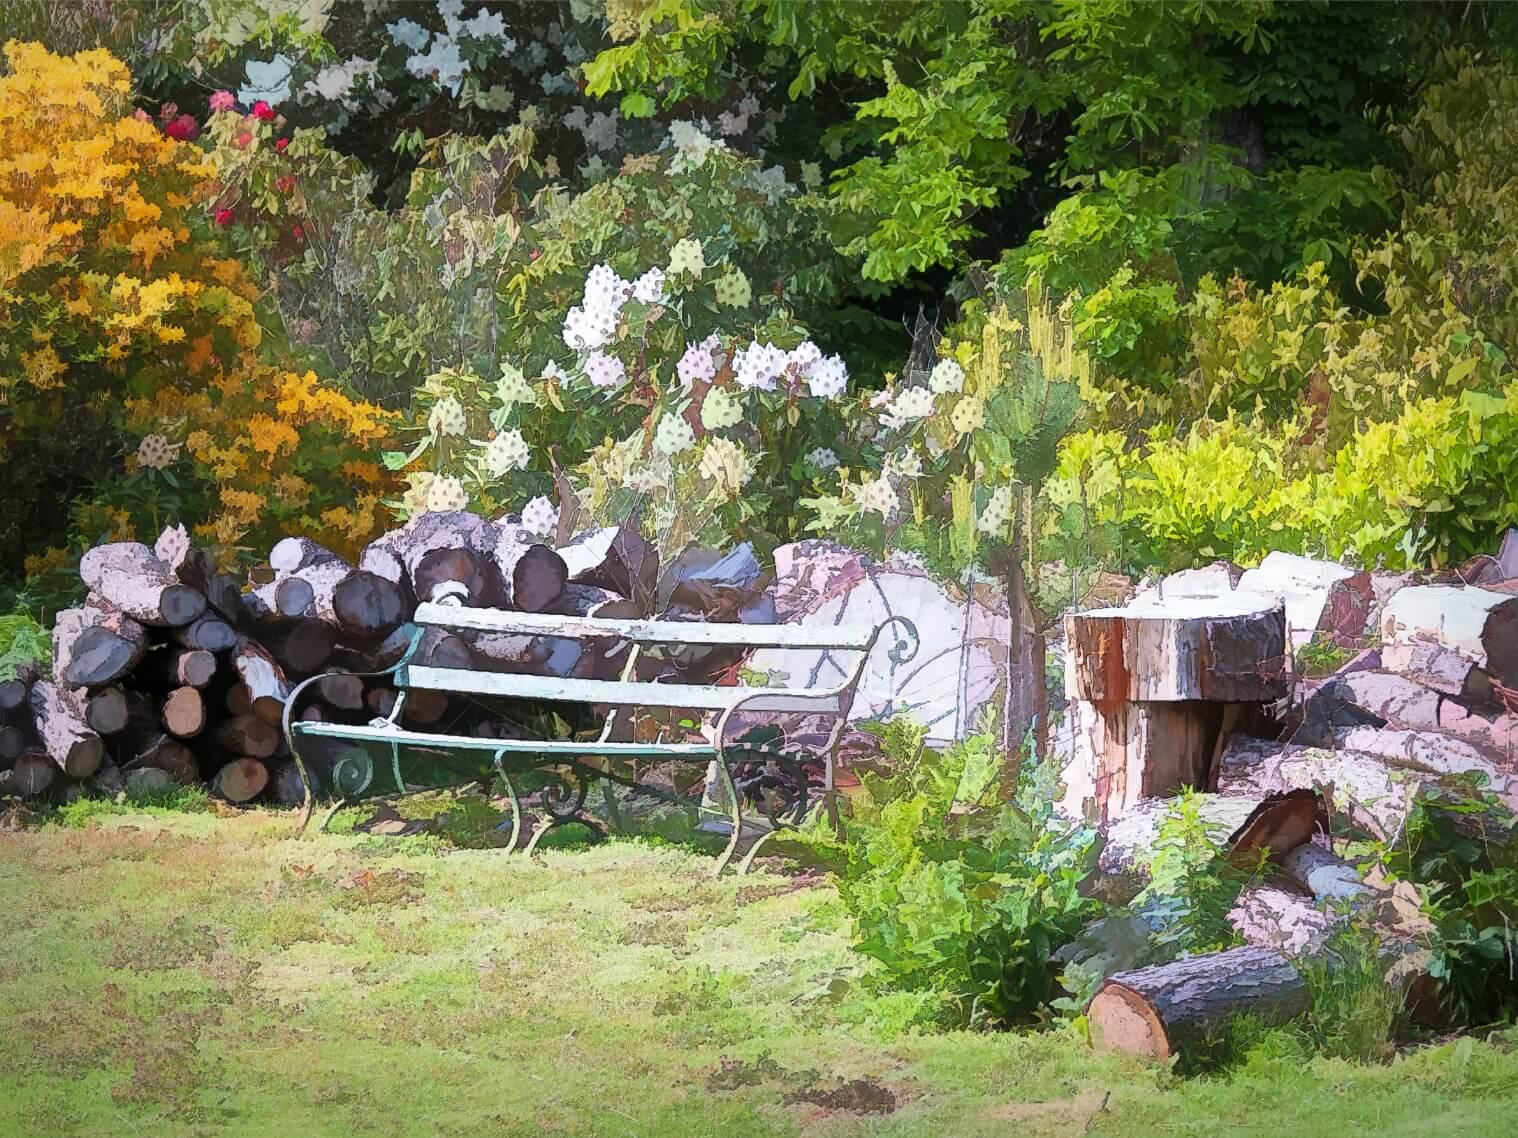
(839, 637)
(515, 746)
(618, 693)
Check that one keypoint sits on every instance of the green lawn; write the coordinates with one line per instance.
(196, 975)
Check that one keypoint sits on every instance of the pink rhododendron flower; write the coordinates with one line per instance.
(263, 112)
(280, 144)
(183, 127)
(285, 183)
(243, 140)
(142, 116)
(223, 217)
(223, 101)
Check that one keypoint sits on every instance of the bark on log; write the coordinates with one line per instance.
(184, 712)
(1325, 875)
(108, 780)
(1319, 596)
(532, 575)
(1479, 624)
(106, 711)
(292, 554)
(1375, 792)
(264, 679)
(615, 558)
(368, 606)
(222, 592)
(247, 735)
(437, 548)
(148, 780)
(1239, 826)
(385, 557)
(381, 701)
(1221, 649)
(1382, 698)
(1126, 752)
(208, 634)
(68, 740)
(1438, 668)
(169, 755)
(442, 649)
(91, 648)
(128, 575)
(241, 780)
(1158, 1011)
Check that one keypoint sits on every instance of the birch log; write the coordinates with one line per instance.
(68, 740)
(128, 575)
(1479, 624)
(264, 679)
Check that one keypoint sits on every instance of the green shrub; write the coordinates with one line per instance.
(957, 894)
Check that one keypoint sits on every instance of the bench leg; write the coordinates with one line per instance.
(613, 813)
(516, 803)
(545, 824)
(725, 774)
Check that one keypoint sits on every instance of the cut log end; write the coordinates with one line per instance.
(241, 780)
(1123, 1021)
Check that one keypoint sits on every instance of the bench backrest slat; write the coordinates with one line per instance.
(621, 693)
(840, 637)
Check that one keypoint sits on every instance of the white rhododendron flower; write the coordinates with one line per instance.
(405, 33)
(540, 516)
(969, 414)
(604, 370)
(604, 288)
(828, 377)
(726, 464)
(648, 478)
(442, 62)
(804, 356)
(486, 25)
(586, 329)
(155, 452)
(649, 288)
(513, 387)
(720, 410)
(506, 452)
(732, 124)
(552, 371)
(418, 484)
(811, 175)
(732, 289)
(759, 365)
(601, 132)
(823, 458)
(687, 256)
(877, 496)
(696, 364)
(997, 513)
(447, 417)
(673, 435)
(693, 143)
(748, 106)
(947, 377)
(446, 493)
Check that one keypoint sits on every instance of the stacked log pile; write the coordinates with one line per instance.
(174, 672)
(1424, 715)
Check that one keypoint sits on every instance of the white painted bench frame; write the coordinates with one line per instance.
(447, 611)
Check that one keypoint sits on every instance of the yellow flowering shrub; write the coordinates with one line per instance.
(119, 310)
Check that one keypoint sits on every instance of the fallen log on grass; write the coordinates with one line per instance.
(1158, 1011)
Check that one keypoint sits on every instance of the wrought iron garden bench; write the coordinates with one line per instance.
(571, 764)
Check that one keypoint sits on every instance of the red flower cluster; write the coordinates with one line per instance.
(263, 112)
(183, 127)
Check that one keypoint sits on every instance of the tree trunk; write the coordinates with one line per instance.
(1221, 649)
(452, 546)
(1479, 624)
(128, 575)
(303, 647)
(1158, 1011)
(184, 712)
(264, 679)
(222, 592)
(241, 780)
(70, 743)
(194, 667)
(1326, 876)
